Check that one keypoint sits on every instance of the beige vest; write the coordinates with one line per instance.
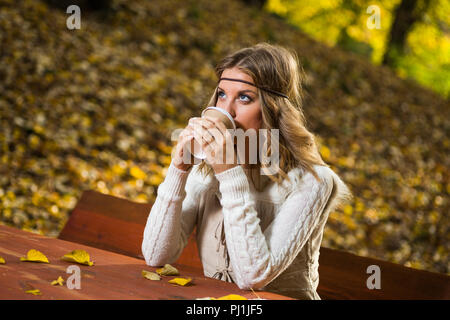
(299, 280)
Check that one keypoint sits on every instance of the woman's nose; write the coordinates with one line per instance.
(228, 106)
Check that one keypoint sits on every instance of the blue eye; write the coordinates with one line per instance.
(243, 97)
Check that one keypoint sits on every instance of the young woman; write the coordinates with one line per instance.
(258, 231)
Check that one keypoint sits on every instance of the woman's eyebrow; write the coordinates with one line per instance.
(242, 91)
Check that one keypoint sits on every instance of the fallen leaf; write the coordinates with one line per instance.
(35, 292)
(167, 270)
(232, 297)
(35, 256)
(78, 256)
(150, 275)
(180, 281)
(59, 281)
(2, 260)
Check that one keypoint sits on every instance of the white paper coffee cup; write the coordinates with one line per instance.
(197, 151)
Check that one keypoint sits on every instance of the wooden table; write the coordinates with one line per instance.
(113, 276)
(117, 225)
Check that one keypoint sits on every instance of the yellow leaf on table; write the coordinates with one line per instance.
(35, 256)
(167, 270)
(150, 275)
(180, 281)
(78, 256)
(35, 292)
(2, 260)
(59, 281)
(232, 297)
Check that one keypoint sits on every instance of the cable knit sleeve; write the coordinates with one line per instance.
(256, 257)
(171, 219)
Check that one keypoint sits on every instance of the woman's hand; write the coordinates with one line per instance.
(178, 156)
(216, 141)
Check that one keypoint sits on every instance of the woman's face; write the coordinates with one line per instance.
(241, 100)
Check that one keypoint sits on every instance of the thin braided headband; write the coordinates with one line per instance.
(262, 88)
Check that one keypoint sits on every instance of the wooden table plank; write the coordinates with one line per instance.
(113, 276)
(343, 275)
(116, 224)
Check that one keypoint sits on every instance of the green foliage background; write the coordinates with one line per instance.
(95, 109)
(344, 23)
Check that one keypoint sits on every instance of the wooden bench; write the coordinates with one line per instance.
(117, 225)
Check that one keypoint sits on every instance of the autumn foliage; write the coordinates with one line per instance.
(95, 109)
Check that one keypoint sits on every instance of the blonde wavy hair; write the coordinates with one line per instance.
(277, 68)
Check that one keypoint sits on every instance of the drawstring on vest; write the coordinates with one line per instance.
(222, 273)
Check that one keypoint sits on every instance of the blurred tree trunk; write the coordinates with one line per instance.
(256, 3)
(406, 14)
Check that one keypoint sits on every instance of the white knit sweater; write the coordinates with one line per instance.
(273, 237)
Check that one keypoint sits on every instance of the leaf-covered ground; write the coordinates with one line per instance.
(95, 108)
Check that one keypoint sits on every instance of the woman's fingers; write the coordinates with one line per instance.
(213, 137)
(202, 128)
(201, 134)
